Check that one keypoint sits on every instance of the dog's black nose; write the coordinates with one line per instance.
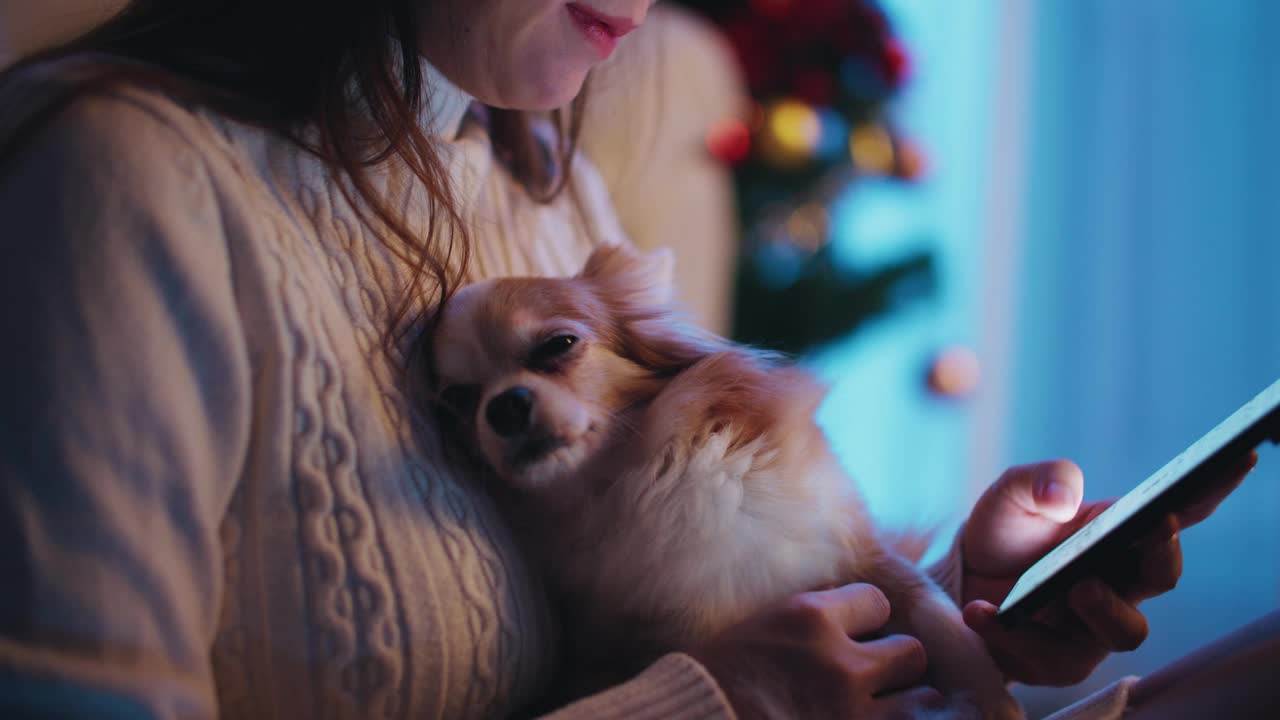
(508, 413)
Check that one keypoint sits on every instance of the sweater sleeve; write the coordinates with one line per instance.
(124, 418)
(675, 687)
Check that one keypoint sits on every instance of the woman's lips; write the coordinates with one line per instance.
(601, 31)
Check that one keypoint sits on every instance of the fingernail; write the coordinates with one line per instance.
(1050, 492)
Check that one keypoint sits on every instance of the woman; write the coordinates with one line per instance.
(222, 220)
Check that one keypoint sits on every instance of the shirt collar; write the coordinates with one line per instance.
(448, 103)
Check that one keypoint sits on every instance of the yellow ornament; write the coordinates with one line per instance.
(791, 133)
(871, 149)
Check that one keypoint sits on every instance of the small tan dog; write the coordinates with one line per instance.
(670, 481)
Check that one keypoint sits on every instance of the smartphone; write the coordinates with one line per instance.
(1106, 536)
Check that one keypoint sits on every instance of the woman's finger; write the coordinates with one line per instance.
(1033, 653)
(897, 661)
(1203, 506)
(1155, 567)
(1114, 623)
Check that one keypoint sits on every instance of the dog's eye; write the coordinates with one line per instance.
(460, 399)
(550, 350)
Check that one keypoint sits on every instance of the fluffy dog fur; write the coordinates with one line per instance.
(670, 482)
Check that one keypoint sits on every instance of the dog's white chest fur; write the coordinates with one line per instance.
(708, 530)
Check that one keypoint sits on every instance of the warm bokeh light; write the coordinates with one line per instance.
(807, 226)
(955, 372)
(911, 163)
(793, 130)
(871, 149)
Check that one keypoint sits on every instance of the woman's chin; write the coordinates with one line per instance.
(548, 92)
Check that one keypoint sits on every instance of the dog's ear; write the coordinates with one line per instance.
(644, 279)
(638, 288)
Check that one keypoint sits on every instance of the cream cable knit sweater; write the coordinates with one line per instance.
(212, 499)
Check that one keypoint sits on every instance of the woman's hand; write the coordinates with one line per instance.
(799, 659)
(1026, 513)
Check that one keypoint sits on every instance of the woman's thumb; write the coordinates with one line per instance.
(1021, 515)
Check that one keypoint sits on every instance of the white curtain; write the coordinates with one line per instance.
(1148, 290)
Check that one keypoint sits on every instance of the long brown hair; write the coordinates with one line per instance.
(326, 65)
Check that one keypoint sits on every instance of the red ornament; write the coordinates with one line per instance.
(895, 62)
(729, 141)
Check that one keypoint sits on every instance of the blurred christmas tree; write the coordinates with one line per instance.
(821, 74)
